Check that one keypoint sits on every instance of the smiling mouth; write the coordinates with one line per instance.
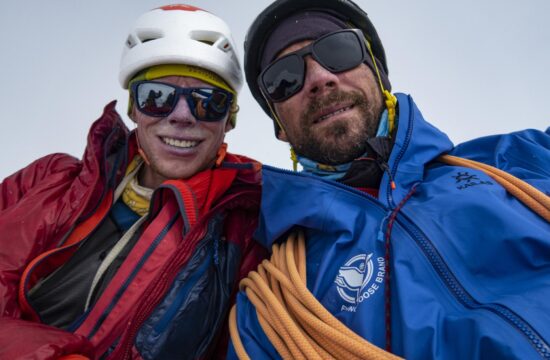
(334, 113)
(182, 144)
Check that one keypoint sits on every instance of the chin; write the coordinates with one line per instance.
(173, 172)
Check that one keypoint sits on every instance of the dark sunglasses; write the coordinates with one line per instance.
(337, 51)
(158, 99)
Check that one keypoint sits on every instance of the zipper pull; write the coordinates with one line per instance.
(385, 168)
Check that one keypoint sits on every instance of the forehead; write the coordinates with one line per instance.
(184, 81)
(294, 47)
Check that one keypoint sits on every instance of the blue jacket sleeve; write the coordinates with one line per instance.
(524, 154)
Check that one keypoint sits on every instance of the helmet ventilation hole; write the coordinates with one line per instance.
(207, 42)
(148, 35)
(212, 38)
(130, 42)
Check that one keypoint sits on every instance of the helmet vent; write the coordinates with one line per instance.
(149, 35)
(130, 42)
(212, 38)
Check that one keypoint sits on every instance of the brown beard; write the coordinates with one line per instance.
(345, 140)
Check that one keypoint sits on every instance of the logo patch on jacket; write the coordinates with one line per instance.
(358, 279)
(465, 180)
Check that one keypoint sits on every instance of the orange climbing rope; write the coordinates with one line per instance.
(297, 325)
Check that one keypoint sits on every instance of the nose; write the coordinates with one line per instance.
(182, 115)
(318, 79)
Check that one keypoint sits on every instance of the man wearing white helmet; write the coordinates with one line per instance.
(136, 250)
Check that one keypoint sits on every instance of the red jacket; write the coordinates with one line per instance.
(48, 208)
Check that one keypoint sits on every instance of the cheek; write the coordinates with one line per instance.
(217, 133)
(286, 112)
(143, 134)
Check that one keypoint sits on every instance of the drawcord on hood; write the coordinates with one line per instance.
(390, 99)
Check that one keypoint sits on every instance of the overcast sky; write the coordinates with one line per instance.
(474, 67)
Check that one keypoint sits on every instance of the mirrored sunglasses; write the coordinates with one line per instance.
(158, 99)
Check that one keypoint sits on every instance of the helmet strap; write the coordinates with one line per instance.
(294, 159)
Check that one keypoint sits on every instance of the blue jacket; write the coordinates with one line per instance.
(469, 263)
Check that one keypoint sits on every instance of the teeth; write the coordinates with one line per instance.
(180, 143)
(334, 113)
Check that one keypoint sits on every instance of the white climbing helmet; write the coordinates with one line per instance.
(181, 34)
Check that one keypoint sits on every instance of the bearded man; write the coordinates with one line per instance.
(393, 242)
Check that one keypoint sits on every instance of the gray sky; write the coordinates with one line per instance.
(474, 67)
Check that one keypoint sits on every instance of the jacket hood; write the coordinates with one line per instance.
(290, 198)
(417, 143)
(106, 136)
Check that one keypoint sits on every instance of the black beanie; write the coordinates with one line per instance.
(308, 25)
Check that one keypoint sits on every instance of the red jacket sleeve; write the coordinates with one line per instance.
(20, 339)
(29, 213)
(15, 186)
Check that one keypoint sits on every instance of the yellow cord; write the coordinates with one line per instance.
(294, 159)
(391, 105)
(391, 100)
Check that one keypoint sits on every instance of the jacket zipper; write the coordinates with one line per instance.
(146, 308)
(189, 283)
(400, 154)
(460, 293)
(130, 278)
(445, 274)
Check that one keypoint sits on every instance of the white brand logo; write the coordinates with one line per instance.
(356, 280)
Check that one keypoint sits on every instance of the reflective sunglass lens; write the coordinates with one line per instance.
(210, 104)
(284, 77)
(339, 52)
(155, 98)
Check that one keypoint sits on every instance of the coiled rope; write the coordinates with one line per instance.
(295, 322)
(529, 195)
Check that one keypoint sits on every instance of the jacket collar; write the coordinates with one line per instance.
(417, 143)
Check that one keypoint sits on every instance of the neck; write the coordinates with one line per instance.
(149, 178)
